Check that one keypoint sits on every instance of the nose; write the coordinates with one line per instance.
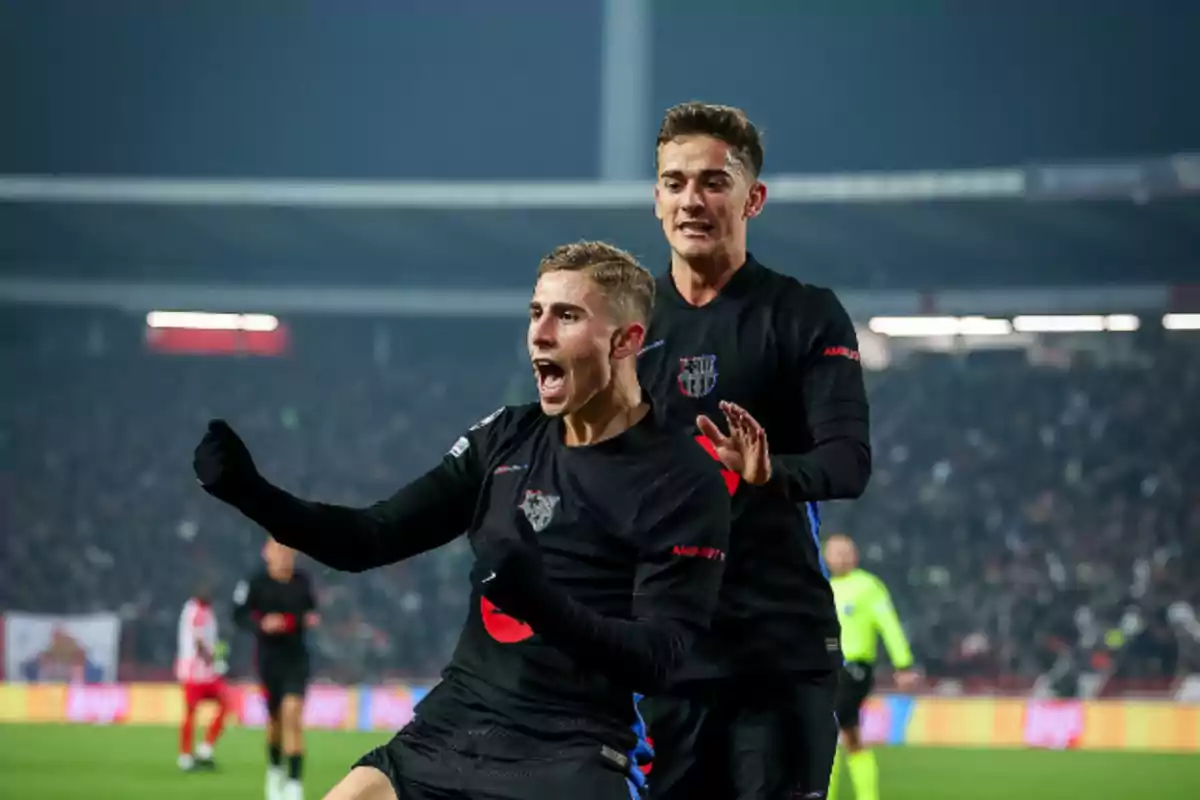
(691, 199)
(541, 332)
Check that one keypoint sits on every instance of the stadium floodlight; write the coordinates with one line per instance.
(914, 326)
(940, 326)
(209, 321)
(1122, 322)
(984, 326)
(1181, 322)
(1070, 323)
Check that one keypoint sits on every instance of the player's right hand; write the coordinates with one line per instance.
(745, 450)
(223, 464)
(272, 623)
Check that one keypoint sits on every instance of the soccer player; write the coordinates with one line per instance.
(752, 715)
(278, 605)
(865, 610)
(599, 536)
(199, 668)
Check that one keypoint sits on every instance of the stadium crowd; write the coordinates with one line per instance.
(1025, 518)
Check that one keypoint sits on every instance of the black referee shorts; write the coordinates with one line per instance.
(499, 765)
(855, 683)
(756, 740)
(281, 677)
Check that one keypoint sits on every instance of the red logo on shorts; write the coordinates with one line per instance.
(500, 626)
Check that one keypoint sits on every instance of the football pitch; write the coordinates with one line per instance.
(48, 762)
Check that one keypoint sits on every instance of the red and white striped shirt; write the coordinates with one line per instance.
(197, 623)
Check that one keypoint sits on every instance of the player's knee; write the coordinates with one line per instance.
(363, 783)
(291, 711)
(851, 740)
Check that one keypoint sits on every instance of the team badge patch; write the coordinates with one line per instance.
(539, 509)
(697, 375)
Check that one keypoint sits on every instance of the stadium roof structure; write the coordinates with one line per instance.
(1137, 222)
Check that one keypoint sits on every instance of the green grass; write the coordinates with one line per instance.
(47, 762)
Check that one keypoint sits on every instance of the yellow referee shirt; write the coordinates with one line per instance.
(865, 611)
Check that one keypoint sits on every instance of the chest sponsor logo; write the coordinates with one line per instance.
(538, 508)
(697, 375)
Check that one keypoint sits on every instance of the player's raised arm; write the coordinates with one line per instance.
(835, 401)
(675, 591)
(423, 515)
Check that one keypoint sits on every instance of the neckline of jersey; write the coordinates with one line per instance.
(631, 439)
(738, 286)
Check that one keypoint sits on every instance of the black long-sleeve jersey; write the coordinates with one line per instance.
(787, 353)
(632, 533)
(261, 595)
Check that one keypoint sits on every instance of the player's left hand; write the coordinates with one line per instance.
(312, 619)
(906, 679)
(745, 449)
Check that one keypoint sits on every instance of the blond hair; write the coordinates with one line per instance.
(626, 284)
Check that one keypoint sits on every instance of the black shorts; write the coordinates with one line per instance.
(855, 683)
(281, 677)
(771, 739)
(424, 767)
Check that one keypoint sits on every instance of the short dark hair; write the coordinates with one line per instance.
(729, 124)
(628, 286)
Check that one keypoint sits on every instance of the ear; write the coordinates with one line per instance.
(756, 199)
(628, 340)
(657, 207)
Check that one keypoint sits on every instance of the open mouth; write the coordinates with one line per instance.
(696, 228)
(551, 379)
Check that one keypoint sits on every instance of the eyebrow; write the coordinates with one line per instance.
(704, 173)
(559, 306)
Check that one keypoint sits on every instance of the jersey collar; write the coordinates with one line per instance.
(739, 285)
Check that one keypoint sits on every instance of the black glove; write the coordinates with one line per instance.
(223, 465)
(509, 572)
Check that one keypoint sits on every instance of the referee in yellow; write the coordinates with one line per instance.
(865, 611)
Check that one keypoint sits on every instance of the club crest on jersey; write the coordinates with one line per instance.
(697, 375)
(539, 508)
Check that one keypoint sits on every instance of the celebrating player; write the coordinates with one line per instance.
(752, 715)
(278, 605)
(599, 537)
(199, 667)
(865, 611)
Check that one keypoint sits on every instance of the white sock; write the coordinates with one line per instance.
(186, 761)
(274, 783)
(204, 751)
(293, 790)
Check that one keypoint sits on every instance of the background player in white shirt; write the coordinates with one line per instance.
(200, 670)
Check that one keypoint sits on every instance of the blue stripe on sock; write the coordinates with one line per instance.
(636, 780)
